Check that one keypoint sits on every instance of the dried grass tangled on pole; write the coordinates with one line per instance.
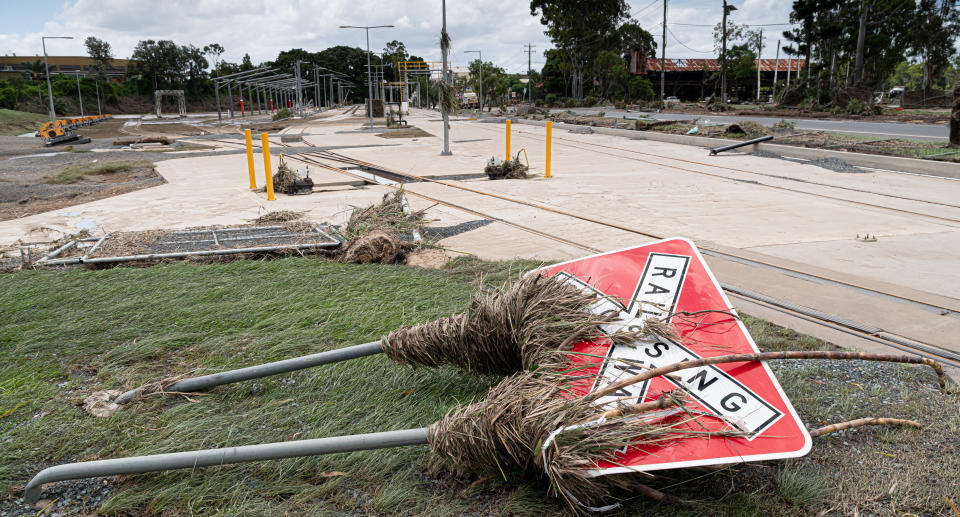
(284, 177)
(514, 327)
(531, 418)
(447, 98)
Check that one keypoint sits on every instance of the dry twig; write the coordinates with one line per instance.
(860, 422)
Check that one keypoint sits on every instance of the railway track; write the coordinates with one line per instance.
(866, 332)
(597, 148)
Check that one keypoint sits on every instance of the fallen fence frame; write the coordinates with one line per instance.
(324, 240)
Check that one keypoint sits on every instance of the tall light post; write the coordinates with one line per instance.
(480, 57)
(79, 95)
(46, 67)
(369, 77)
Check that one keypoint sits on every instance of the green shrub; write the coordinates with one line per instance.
(550, 99)
(602, 114)
(640, 88)
(785, 124)
(590, 101)
(281, 114)
(8, 97)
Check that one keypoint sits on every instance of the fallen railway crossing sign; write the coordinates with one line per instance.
(669, 280)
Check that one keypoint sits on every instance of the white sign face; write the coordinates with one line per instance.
(656, 296)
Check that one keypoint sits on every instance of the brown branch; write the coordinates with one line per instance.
(665, 401)
(766, 356)
(860, 422)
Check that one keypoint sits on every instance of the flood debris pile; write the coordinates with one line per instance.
(533, 417)
(507, 169)
(377, 246)
(747, 128)
(279, 216)
(375, 232)
(291, 182)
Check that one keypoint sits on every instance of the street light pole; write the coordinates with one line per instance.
(79, 95)
(46, 67)
(480, 97)
(369, 76)
(443, 111)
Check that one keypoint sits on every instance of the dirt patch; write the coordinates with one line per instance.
(407, 132)
(428, 257)
(37, 193)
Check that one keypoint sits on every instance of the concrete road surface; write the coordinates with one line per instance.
(847, 127)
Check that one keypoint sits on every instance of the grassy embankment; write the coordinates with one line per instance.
(65, 334)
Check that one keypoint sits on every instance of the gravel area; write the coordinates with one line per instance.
(831, 164)
(78, 496)
(442, 232)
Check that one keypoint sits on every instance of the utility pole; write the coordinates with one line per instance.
(529, 52)
(446, 117)
(723, 53)
(299, 99)
(759, 50)
(663, 55)
(776, 68)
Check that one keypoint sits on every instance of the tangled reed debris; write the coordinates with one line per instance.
(532, 417)
(376, 246)
(514, 327)
(278, 216)
(508, 169)
(388, 216)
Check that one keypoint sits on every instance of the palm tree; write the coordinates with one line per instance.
(36, 70)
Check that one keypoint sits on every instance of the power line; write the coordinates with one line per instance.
(675, 38)
(651, 4)
(741, 25)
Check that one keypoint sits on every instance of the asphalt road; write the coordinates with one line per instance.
(849, 127)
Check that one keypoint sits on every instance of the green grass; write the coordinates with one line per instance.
(14, 122)
(65, 334)
(75, 173)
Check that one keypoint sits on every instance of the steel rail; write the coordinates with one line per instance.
(814, 316)
(744, 171)
(707, 250)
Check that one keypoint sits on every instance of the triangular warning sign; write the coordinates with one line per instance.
(670, 280)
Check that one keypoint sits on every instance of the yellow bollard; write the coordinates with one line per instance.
(508, 140)
(253, 177)
(267, 169)
(549, 143)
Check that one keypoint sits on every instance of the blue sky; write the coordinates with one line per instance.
(264, 27)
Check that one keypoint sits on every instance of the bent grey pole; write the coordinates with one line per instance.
(224, 456)
(204, 382)
(716, 150)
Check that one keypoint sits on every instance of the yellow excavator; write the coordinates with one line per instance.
(61, 131)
